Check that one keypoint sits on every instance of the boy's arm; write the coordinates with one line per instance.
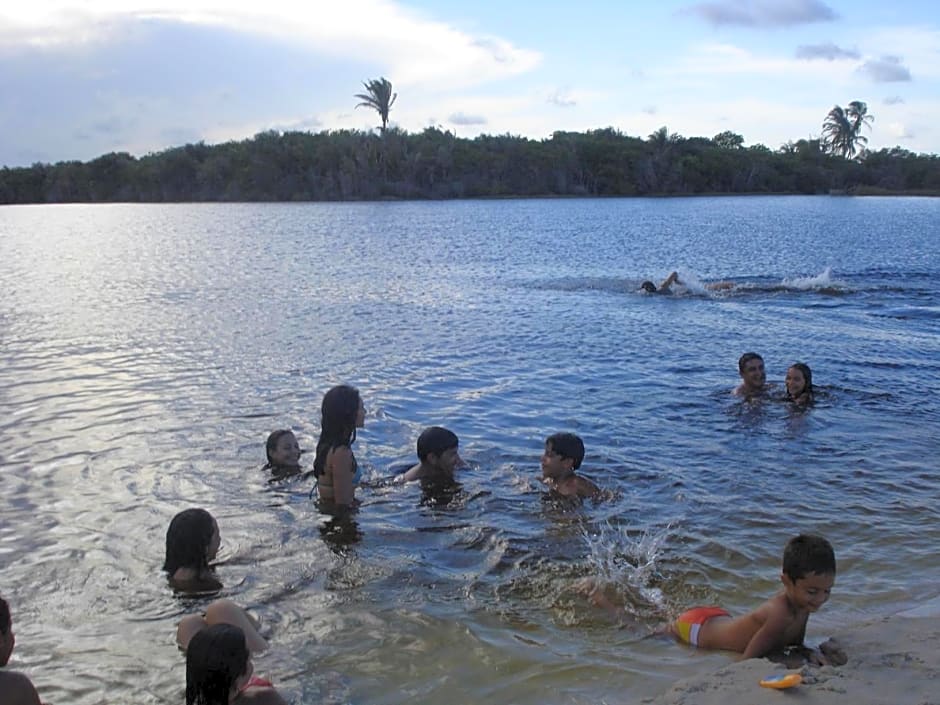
(768, 638)
(413, 473)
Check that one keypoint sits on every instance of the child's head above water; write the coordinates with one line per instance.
(438, 446)
(436, 440)
(192, 540)
(568, 446)
(282, 450)
(808, 554)
(799, 380)
(217, 663)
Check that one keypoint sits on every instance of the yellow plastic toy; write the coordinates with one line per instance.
(786, 680)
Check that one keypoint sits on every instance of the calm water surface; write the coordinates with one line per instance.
(147, 351)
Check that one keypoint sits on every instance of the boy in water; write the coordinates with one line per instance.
(778, 625)
(563, 455)
(15, 688)
(438, 456)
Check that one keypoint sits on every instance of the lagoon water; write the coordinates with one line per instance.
(147, 351)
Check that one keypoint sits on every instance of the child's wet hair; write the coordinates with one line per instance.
(338, 414)
(808, 553)
(435, 439)
(187, 540)
(567, 445)
(215, 658)
(649, 287)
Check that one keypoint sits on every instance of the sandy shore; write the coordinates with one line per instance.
(892, 661)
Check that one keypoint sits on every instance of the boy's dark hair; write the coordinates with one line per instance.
(567, 445)
(435, 439)
(746, 358)
(4, 617)
(649, 287)
(808, 553)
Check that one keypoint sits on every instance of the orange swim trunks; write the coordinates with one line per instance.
(688, 623)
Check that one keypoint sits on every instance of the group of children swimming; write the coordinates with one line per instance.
(218, 643)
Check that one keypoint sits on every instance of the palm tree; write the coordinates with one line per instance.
(379, 97)
(842, 129)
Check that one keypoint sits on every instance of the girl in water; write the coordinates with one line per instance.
(219, 670)
(799, 383)
(335, 467)
(191, 542)
(283, 454)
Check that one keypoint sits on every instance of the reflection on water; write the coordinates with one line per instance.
(149, 350)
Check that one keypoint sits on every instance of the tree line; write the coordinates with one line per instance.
(436, 164)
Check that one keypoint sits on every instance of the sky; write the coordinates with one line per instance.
(82, 78)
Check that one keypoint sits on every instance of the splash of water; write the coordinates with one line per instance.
(621, 557)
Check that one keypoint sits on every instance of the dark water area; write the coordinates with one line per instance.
(147, 351)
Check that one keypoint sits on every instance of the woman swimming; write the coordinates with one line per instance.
(283, 454)
(799, 383)
(219, 670)
(335, 467)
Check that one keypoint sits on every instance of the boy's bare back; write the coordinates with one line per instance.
(772, 627)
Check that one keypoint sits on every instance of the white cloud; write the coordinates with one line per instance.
(409, 46)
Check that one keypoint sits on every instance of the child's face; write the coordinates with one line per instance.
(361, 415)
(286, 453)
(809, 592)
(796, 383)
(212, 549)
(553, 465)
(448, 460)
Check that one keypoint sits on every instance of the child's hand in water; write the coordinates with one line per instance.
(593, 592)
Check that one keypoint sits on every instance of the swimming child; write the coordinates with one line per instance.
(799, 383)
(283, 454)
(335, 467)
(438, 456)
(192, 541)
(809, 572)
(219, 670)
(16, 688)
(563, 455)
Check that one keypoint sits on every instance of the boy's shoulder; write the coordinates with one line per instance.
(18, 689)
(415, 472)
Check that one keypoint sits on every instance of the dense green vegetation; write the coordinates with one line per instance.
(352, 165)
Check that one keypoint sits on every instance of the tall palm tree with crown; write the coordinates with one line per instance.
(379, 97)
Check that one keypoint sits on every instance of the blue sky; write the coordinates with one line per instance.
(80, 78)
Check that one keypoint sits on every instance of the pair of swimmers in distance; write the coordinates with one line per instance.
(777, 628)
(798, 382)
